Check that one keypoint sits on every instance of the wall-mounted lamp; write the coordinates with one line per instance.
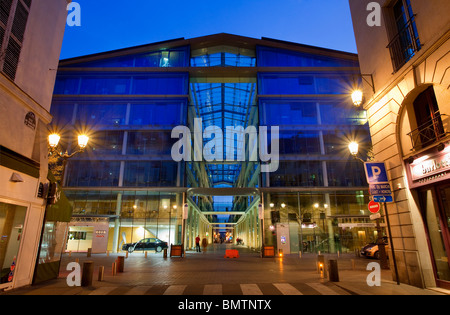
(357, 95)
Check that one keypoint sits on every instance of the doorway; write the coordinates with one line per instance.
(435, 205)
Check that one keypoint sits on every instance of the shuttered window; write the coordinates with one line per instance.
(13, 22)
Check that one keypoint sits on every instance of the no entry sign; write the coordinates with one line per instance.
(374, 207)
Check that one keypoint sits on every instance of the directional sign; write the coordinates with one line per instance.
(383, 199)
(380, 189)
(376, 172)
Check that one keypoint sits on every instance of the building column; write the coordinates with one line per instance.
(117, 223)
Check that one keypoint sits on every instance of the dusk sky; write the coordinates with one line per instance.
(113, 24)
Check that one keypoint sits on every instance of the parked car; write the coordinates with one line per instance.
(371, 250)
(146, 244)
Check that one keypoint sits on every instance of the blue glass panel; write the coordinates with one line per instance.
(346, 174)
(284, 112)
(160, 84)
(149, 143)
(106, 142)
(299, 142)
(298, 173)
(62, 113)
(105, 85)
(158, 113)
(176, 57)
(66, 85)
(150, 174)
(303, 83)
(273, 57)
(93, 173)
(223, 59)
(100, 113)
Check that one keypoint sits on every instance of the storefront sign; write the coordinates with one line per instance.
(356, 225)
(430, 168)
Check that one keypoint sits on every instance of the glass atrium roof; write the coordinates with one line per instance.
(223, 105)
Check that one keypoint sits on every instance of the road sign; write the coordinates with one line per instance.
(376, 172)
(377, 178)
(374, 207)
(380, 189)
(383, 198)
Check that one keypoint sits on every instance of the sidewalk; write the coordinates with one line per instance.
(199, 273)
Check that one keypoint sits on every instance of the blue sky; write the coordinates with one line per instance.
(113, 24)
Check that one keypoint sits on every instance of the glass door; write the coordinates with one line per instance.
(436, 207)
(12, 218)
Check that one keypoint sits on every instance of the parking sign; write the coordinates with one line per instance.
(376, 173)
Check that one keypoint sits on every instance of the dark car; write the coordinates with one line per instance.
(146, 244)
(371, 250)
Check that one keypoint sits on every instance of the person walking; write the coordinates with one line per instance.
(197, 244)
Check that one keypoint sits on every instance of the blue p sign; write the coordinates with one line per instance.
(376, 173)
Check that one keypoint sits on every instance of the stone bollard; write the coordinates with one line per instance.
(114, 268)
(334, 272)
(120, 263)
(101, 272)
(88, 273)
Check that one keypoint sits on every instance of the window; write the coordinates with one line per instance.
(405, 39)
(13, 21)
(428, 118)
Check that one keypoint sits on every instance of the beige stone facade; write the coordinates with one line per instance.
(35, 30)
(392, 117)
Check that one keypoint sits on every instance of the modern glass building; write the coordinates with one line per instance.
(178, 133)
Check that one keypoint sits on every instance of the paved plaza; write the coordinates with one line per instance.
(210, 273)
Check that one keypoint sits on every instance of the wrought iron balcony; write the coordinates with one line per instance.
(404, 45)
(431, 131)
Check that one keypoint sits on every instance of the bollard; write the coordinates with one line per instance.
(101, 272)
(89, 252)
(146, 254)
(334, 272)
(299, 254)
(107, 253)
(120, 263)
(114, 268)
(70, 253)
(126, 255)
(88, 272)
(165, 252)
(353, 264)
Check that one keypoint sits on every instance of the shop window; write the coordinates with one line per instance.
(12, 219)
(404, 41)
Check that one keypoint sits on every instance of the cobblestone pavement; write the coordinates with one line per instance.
(210, 273)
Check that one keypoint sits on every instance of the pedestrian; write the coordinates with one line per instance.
(197, 244)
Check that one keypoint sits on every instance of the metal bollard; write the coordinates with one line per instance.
(334, 272)
(89, 252)
(88, 272)
(146, 254)
(101, 272)
(165, 252)
(353, 264)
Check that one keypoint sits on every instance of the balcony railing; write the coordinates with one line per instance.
(404, 45)
(429, 132)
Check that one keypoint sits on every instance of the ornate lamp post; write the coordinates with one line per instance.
(53, 141)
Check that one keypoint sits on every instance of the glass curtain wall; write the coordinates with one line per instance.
(126, 173)
(317, 120)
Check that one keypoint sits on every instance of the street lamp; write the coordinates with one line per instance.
(354, 149)
(53, 142)
(357, 97)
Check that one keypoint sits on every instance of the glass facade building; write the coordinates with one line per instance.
(129, 184)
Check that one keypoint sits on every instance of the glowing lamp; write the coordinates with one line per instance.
(53, 140)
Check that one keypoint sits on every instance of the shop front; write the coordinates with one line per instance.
(429, 177)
